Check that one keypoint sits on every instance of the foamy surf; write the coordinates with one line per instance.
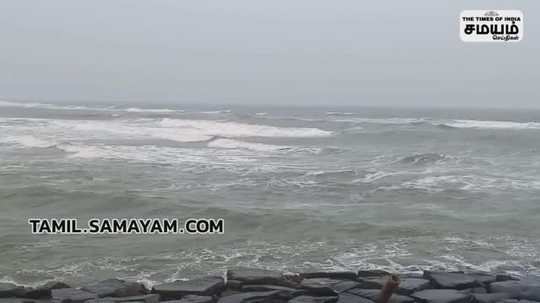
(85, 108)
(27, 141)
(235, 129)
(235, 144)
(493, 124)
(458, 123)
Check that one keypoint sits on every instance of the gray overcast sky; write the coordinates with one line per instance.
(405, 53)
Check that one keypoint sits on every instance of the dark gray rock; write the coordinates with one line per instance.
(234, 284)
(71, 295)
(474, 290)
(206, 286)
(285, 291)
(344, 286)
(150, 298)
(483, 278)
(504, 277)
(309, 299)
(523, 290)
(372, 283)
(100, 300)
(442, 296)
(372, 273)
(320, 286)
(517, 301)
(327, 286)
(9, 290)
(258, 276)
(116, 288)
(249, 297)
(491, 298)
(409, 285)
(350, 298)
(193, 299)
(24, 300)
(43, 291)
(338, 275)
(452, 280)
(373, 295)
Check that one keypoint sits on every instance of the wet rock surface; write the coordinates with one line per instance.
(205, 286)
(451, 280)
(115, 288)
(442, 296)
(373, 295)
(72, 295)
(248, 285)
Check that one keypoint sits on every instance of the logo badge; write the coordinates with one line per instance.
(491, 26)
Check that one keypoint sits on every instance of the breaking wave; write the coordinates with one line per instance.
(445, 124)
(86, 108)
(31, 132)
(491, 124)
(27, 141)
(235, 129)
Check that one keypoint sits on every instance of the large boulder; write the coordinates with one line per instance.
(372, 273)
(285, 291)
(350, 298)
(327, 286)
(25, 300)
(338, 275)
(247, 297)
(193, 299)
(206, 286)
(234, 284)
(258, 276)
(319, 286)
(72, 295)
(372, 282)
(491, 298)
(474, 290)
(115, 288)
(523, 289)
(42, 291)
(517, 301)
(409, 285)
(373, 295)
(442, 296)
(9, 290)
(310, 299)
(452, 280)
(483, 278)
(504, 277)
(150, 298)
(17, 300)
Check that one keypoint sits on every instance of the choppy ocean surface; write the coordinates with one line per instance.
(299, 189)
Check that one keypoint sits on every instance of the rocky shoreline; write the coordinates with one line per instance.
(249, 285)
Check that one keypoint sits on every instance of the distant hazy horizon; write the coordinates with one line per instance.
(281, 53)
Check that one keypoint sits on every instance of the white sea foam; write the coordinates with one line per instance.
(235, 129)
(235, 144)
(151, 110)
(82, 107)
(493, 124)
(470, 183)
(458, 123)
(27, 141)
(390, 121)
(340, 113)
(216, 112)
